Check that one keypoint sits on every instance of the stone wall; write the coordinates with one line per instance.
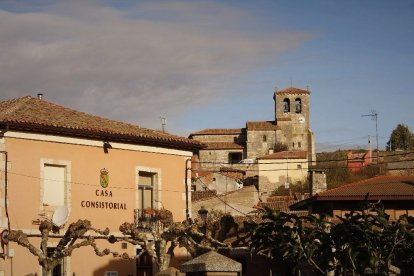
(242, 200)
(216, 158)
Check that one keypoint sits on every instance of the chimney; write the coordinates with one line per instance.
(40, 96)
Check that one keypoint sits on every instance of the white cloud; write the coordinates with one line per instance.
(135, 64)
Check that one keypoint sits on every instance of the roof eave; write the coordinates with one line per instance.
(97, 135)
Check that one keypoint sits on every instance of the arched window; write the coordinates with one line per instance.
(286, 105)
(264, 138)
(298, 105)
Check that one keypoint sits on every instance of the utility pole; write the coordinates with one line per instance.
(374, 116)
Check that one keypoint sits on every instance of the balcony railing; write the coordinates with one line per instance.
(147, 220)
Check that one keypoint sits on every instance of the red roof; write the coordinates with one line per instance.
(39, 116)
(378, 188)
(263, 125)
(297, 154)
(292, 90)
(218, 131)
(222, 145)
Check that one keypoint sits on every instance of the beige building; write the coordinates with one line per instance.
(282, 169)
(102, 170)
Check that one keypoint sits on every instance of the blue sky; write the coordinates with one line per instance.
(215, 64)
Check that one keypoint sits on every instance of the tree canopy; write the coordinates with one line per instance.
(401, 138)
(362, 242)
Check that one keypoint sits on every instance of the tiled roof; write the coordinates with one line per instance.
(222, 145)
(263, 125)
(39, 116)
(298, 154)
(200, 195)
(378, 188)
(219, 131)
(292, 90)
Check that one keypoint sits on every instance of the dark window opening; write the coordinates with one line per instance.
(264, 138)
(286, 105)
(143, 264)
(299, 145)
(235, 139)
(298, 105)
(235, 157)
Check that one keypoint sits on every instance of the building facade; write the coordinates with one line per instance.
(289, 129)
(101, 170)
(283, 168)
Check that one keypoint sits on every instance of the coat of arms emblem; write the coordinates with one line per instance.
(104, 179)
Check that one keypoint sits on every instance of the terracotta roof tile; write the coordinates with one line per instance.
(32, 114)
(292, 90)
(219, 131)
(263, 125)
(222, 145)
(298, 154)
(380, 187)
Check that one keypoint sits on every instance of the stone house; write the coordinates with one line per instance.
(222, 181)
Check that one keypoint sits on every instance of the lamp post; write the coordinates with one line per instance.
(203, 213)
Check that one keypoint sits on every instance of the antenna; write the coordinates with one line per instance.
(60, 216)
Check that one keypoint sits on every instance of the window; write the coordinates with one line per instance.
(146, 184)
(54, 185)
(286, 105)
(235, 157)
(264, 138)
(235, 139)
(299, 166)
(293, 144)
(298, 105)
(299, 145)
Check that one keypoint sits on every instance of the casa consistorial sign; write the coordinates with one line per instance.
(102, 195)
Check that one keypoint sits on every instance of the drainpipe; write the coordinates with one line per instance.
(6, 188)
(6, 179)
(187, 211)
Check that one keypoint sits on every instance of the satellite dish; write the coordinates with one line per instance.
(60, 216)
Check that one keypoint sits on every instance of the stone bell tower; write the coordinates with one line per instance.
(292, 115)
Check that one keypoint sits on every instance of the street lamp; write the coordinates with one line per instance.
(203, 213)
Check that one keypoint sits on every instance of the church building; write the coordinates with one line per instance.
(289, 130)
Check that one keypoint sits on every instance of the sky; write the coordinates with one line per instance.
(216, 64)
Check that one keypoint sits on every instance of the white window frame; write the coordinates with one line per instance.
(68, 180)
(157, 187)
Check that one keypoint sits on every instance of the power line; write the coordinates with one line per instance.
(225, 203)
